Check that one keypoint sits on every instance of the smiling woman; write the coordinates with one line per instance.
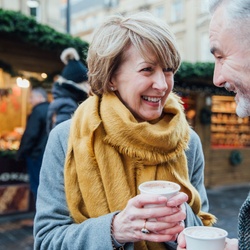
(130, 130)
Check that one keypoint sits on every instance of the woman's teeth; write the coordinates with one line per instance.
(151, 99)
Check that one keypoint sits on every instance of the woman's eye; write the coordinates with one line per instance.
(147, 69)
(168, 70)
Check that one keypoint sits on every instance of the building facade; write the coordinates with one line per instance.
(188, 20)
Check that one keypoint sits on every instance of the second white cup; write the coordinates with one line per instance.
(205, 238)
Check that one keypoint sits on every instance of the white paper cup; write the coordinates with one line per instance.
(205, 238)
(164, 188)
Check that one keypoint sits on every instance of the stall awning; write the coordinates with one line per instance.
(27, 57)
(26, 45)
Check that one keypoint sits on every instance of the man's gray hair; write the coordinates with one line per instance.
(40, 91)
(237, 13)
(235, 9)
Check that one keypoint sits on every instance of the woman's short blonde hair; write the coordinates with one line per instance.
(110, 41)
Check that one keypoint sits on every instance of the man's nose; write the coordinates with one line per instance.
(218, 78)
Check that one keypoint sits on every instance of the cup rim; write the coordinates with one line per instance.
(178, 187)
(225, 233)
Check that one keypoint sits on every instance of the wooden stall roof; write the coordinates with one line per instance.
(26, 45)
(27, 57)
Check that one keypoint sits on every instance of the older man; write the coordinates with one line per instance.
(230, 44)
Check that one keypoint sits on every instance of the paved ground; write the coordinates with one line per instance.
(225, 203)
(16, 230)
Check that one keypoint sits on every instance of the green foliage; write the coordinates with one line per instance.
(30, 31)
(197, 78)
(198, 70)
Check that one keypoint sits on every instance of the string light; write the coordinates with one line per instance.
(44, 75)
(22, 83)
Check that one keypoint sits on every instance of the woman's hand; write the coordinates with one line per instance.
(164, 221)
(231, 244)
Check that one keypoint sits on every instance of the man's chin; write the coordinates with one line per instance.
(241, 112)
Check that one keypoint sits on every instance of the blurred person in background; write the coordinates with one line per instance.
(131, 129)
(70, 89)
(230, 44)
(35, 137)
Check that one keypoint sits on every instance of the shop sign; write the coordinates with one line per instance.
(12, 172)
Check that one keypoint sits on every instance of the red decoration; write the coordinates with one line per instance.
(3, 106)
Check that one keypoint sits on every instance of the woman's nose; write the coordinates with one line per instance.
(160, 81)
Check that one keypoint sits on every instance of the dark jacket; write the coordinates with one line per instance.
(244, 225)
(35, 137)
(66, 97)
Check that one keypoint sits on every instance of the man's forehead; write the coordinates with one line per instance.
(218, 20)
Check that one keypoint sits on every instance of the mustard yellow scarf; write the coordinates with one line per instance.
(110, 154)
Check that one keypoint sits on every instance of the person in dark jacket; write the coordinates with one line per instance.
(35, 137)
(70, 89)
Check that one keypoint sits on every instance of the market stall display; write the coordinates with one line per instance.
(14, 180)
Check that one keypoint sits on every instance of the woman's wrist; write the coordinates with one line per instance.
(115, 243)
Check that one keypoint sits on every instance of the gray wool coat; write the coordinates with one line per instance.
(53, 226)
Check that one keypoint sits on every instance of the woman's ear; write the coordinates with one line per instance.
(112, 85)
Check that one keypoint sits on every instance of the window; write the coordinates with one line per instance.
(203, 7)
(34, 9)
(177, 10)
(206, 56)
(159, 11)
